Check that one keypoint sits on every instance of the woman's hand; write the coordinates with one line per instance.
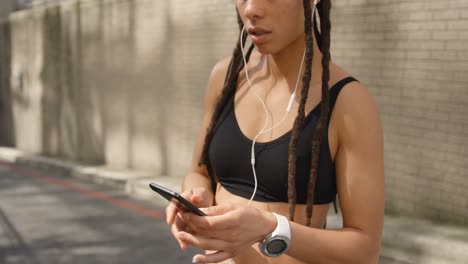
(228, 229)
(200, 197)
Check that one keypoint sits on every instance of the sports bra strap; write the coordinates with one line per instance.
(335, 92)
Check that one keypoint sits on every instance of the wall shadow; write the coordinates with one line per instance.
(90, 140)
(67, 103)
(7, 126)
(50, 77)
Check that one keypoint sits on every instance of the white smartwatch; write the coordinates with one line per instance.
(277, 243)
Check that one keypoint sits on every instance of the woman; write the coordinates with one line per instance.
(327, 145)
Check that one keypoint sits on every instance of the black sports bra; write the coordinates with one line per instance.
(229, 155)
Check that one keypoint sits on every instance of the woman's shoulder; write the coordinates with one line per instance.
(356, 108)
(356, 97)
(216, 79)
(354, 94)
(219, 70)
(216, 82)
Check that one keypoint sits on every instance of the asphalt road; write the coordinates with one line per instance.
(50, 218)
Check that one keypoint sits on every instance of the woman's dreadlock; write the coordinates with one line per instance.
(325, 29)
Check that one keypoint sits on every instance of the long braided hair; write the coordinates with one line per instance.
(236, 65)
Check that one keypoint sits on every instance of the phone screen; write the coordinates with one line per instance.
(176, 199)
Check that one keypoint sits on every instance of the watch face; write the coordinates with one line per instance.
(276, 246)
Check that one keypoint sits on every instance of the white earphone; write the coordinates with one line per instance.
(288, 108)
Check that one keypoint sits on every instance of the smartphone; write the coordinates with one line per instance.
(176, 199)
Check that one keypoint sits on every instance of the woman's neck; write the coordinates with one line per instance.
(285, 64)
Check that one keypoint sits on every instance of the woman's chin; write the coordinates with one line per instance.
(262, 49)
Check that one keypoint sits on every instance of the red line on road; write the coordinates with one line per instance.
(90, 193)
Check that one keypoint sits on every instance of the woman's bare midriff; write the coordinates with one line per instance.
(252, 255)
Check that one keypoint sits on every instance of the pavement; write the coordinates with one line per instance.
(49, 218)
(405, 240)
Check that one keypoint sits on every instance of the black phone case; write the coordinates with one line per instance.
(176, 199)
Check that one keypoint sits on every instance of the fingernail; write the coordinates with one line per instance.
(194, 260)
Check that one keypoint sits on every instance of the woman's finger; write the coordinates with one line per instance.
(171, 212)
(203, 242)
(225, 235)
(229, 235)
(176, 228)
(172, 209)
(210, 223)
(219, 209)
(216, 257)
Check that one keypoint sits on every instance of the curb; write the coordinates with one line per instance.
(133, 183)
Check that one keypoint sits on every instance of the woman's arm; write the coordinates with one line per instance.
(196, 186)
(360, 180)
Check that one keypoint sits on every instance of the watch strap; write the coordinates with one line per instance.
(281, 235)
(282, 228)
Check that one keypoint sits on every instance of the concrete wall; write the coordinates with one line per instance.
(6, 6)
(413, 55)
(121, 82)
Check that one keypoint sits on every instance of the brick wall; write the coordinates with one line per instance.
(122, 82)
(413, 56)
